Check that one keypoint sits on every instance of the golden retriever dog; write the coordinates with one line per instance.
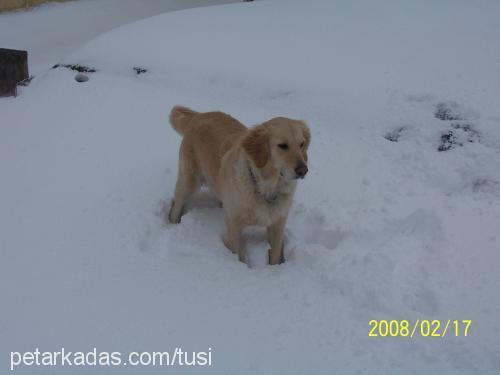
(252, 171)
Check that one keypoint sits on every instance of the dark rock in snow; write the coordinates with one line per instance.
(81, 77)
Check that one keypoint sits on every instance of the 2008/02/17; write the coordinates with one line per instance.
(423, 328)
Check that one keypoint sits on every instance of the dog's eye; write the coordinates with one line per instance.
(302, 145)
(283, 146)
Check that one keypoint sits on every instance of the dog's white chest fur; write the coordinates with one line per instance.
(272, 201)
(268, 212)
(257, 201)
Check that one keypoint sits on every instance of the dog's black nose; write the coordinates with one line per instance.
(301, 170)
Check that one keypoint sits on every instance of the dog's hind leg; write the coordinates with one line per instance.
(188, 182)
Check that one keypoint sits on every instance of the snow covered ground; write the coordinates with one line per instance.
(53, 30)
(398, 217)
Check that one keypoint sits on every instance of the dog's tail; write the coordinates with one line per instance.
(180, 117)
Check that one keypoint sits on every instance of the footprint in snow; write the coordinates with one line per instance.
(461, 128)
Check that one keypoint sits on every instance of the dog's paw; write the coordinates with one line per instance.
(174, 216)
(276, 259)
(228, 244)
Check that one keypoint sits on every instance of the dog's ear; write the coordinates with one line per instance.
(256, 145)
(307, 137)
(307, 134)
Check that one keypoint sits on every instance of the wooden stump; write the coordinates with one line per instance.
(13, 69)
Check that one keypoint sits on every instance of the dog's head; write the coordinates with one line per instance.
(282, 143)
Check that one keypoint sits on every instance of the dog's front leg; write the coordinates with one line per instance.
(275, 237)
(232, 239)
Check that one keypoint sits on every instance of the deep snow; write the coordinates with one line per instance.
(53, 30)
(385, 226)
